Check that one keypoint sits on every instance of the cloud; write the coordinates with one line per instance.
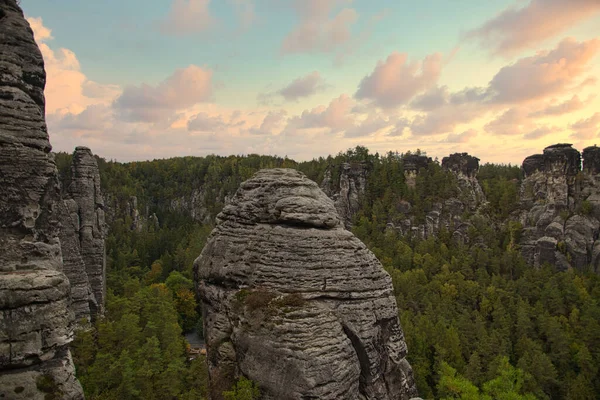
(541, 132)
(371, 125)
(395, 82)
(336, 116)
(513, 121)
(40, 32)
(546, 73)
(434, 98)
(566, 107)
(187, 17)
(463, 137)
(586, 128)
(273, 122)
(316, 31)
(184, 88)
(68, 90)
(203, 122)
(516, 29)
(303, 87)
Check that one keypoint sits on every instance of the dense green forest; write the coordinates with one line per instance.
(479, 322)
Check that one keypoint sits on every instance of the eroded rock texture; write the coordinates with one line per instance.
(35, 319)
(465, 168)
(352, 185)
(560, 206)
(86, 206)
(295, 302)
(412, 164)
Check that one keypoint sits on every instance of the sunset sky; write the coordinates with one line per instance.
(139, 79)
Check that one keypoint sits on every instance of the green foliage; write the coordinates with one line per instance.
(244, 389)
(479, 323)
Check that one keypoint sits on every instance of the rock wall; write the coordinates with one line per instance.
(560, 207)
(35, 319)
(295, 302)
(86, 206)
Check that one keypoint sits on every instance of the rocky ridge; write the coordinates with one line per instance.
(560, 208)
(35, 317)
(295, 302)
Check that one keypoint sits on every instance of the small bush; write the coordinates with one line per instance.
(586, 207)
(291, 300)
(258, 299)
(244, 389)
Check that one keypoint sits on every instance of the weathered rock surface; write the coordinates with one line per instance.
(352, 185)
(87, 210)
(35, 319)
(465, 167)
(559, 208)
(295, 302)
(83, 301)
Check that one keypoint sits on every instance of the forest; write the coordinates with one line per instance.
(478, 321)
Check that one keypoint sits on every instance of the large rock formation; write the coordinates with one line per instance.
(560, 207)
(86, 206)
(35, 319)
(295, 302)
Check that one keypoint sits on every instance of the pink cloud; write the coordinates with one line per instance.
(203, 122)
(514, 121)
(516, 29)
(586, 128)
(336, 116)
(566, 107)
(317, 31)
(305, 86)
(68, 90)
(187, 17)
(371, 125)
(541, 132)
(544, 74)
(184, 88)
(395, 82)
(463, 137)
(272, 123)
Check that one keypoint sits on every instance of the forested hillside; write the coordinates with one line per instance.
(479, 322)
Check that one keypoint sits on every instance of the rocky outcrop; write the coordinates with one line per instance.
(465, 167)
(352, 185)
(412, 164)
(295, 302)
(86, 206)
(559, 207)
(35, 319)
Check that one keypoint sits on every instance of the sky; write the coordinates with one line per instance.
(141, 80)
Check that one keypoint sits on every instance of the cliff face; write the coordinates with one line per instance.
(560, 207)
(35, 319)
(295, 302)
(86, 206)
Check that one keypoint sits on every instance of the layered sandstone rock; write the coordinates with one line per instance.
(465, 167)
(560, 208)
(295, 302)
(86, 206)
(35, 319)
